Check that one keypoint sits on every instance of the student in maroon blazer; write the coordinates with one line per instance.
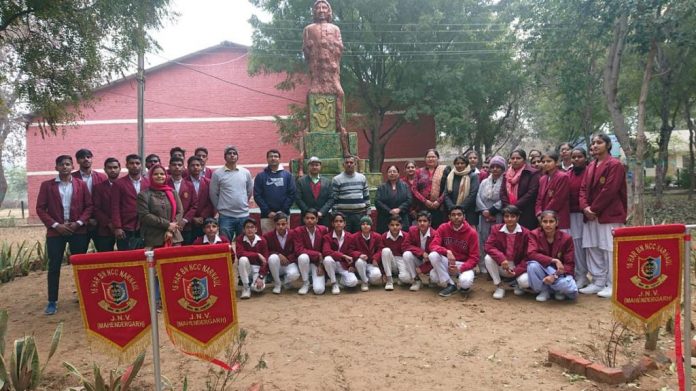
(309, 240)
(91, 179)
(417, 248)
(124, 203)
(201, 185)
(392, 257)
(575, 176)
(367, 250)
(187, 195)
(337, 246)
(554, 190)
(281, 253)
(101, 197)
(202, 154)
(603, 200)
(506, 252)
(64, 205)
(212, 234)
(520, 188)
(252, 257)
(551, 263)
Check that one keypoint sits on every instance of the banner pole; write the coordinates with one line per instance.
(687, 307)
(151, 275)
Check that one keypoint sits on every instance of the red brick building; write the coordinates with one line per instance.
(206, 99)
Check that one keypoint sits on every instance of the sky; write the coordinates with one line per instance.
(201, 24)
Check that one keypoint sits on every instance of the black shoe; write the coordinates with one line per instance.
(465, 292)
(447, 292)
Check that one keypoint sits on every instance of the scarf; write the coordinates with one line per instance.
(464, 183)
(168, 191)
(437, 179)
(512, 182)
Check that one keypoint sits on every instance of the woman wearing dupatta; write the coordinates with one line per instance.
(426, 187)
(521, 187)
(160, 212)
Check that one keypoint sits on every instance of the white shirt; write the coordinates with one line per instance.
(312, 235)
(87, 178)
(256, 240)
(340, 240)
(517, 230)
(424, 239)
(136, 184)
(282, 239)
(401, 234)
(216, 241)
(196, 184)
(177, 184)
(66, 190)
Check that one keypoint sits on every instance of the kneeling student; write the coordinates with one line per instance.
(252, 253)
(506, 252)
(336, 249)
(392, 253)
(281, 250)
(309, 241)
(211, 233)
(367, 249)
(456, 253)
(551, 260)
(417, 247)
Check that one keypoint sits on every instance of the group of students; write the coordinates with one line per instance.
(544, 231)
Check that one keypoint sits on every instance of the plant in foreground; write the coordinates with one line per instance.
(117, 381)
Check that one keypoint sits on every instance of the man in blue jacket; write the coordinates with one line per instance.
(274, 190)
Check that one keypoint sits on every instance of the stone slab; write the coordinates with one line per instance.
(327, 145)
(322, 113)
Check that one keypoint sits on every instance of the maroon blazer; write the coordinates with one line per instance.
(205, 208)
(396, 246)
(554, 194)
(49, 207)
(124, 203)
(539, 249)
(412, 243)
(244, 249)
(528, 188)
(274, 245)
(208, 173)
(189, 200)
(603, 189)
(331, 249)
(373, 248)
(303, 244)
(574, 182)
(97, 177)
(496, 244)
(101, 197)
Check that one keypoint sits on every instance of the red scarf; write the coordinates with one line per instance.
(168, 191)
(512, 182)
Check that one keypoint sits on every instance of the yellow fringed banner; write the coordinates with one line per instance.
(647, 281)
(113, 291)
(198, 297)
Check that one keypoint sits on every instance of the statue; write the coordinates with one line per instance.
(322, 47)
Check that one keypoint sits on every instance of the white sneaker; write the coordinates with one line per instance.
(559, 296)
(606, 292)
(543, 296)
(582, 282)
(518, 291)
(365, 287)
(246, 292)
(415, 286)
(591, 289)
(276, 289)
(389, 286)
(304, 289)
(335, 289)
(499, 293)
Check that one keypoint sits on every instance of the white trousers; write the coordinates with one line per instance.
(318, 282)
(247, 270)
(407, 267)
(442, 276)
(600, 265)
(390, 263)
(369, 273)
(332, 268)
(291, 271)
(496, 272)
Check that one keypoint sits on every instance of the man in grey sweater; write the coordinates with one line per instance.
(231, 188)
(350, 194)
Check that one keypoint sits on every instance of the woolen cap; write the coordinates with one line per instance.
(498, 161)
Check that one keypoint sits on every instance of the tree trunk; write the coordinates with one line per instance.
(641, 141)
(3, 180)
(690, 125)
(376, 149)
(662, 162)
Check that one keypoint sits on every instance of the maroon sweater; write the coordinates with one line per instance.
(496, 247)
(574, 182)
(330, 248)
(463, 244)
(275, 248)
(189, 200)
(539, 249)
(244, 249)
(554, 194)
(603, 189)
(303, 243)
(49, 207)
(101, 198)
(396, 246)
(372, 248)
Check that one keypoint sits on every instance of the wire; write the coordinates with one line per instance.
(212, 65)
(169, 104)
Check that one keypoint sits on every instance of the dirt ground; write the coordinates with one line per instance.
(359, 341)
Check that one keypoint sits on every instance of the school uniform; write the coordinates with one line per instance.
(205, 207)
(575, 176)
(504, 245)
(417, 248)
(219, 239)
(334, 247)
(250, 264)
(124, 204)
(91, 180)
(539, 265)
(392, 257)
(61, 203)
(554, 194)
(308, 250)
(463, 243)
(282, 245)
(101, 198)
(604, 190)
(189, 203)
(372, 247)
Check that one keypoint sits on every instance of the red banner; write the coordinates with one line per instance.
(198, 297)
(113, 292)
(647, 274)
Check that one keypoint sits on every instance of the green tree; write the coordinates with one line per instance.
(54, 52)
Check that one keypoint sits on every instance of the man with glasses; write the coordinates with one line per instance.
(150, 161)
(231, 188)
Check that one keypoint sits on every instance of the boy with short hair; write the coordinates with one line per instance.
(281, 249)
(392, 253)
(211, 233)
(367, 249)
(124, 202)
(417, 248)
(252, 254)
(309, 241)
(201, 185)
(456, 253)
(101, 198)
